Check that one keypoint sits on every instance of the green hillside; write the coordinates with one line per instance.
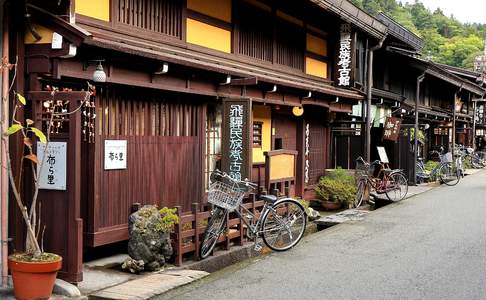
(446, 39)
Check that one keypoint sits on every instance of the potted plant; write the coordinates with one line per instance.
(336, 189)
(33, 271)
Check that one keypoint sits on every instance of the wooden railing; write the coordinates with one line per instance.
(188, 233)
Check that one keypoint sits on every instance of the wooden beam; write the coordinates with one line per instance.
(245, 81)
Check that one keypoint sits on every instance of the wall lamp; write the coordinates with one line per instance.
(99, 74)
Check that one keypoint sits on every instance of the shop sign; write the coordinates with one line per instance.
(382, 154)
(52, 166)
(344, 62)
(236, 138)
(392, 129)
(306, 171)
(115, 154)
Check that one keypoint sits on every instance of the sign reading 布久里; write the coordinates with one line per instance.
(236, 138)
(115, 154)
(53, 170)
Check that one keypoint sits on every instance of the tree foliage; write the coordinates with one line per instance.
(447, 40)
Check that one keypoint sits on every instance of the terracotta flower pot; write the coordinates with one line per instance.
(33, 280)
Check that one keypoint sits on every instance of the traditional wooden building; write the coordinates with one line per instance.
(444, 102)
(183, 87)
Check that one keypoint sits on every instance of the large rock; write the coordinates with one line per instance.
(148, 241)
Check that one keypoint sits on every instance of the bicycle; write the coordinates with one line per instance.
(281, 223)
(445, 172)
(472, 158)
(378, 177)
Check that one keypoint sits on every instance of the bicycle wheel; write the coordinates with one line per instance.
(360, 192)
(284, 225)
(397, 187)
(449, 174)
(476, 161)
(213, 231)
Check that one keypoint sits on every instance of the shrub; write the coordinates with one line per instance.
(169, 218)
(337, 186)
(430, 165)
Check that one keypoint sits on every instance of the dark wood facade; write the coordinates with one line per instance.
(282, 55)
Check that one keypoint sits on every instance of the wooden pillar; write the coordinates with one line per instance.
(75, 223)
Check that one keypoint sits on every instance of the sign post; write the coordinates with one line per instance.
(236, 156)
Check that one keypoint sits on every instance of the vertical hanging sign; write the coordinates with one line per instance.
(53, 171)
(306, 170)
(236, 138)
(344, 59)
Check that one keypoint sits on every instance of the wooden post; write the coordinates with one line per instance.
(195, 211)
(227, 239)
(178, 239)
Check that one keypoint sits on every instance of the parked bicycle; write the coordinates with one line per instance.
(281, 223)
(379, 178)
(471, 158)
(447, 171)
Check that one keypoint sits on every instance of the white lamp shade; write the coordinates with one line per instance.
(99, 74)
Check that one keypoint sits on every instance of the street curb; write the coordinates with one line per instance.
(223, 259)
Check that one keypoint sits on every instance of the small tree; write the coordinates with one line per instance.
(31, 212)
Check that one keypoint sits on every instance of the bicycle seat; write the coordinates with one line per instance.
(420, 159)
(268, 198)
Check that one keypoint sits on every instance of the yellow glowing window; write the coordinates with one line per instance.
(98, 9)
(219, 9)
(209, 36)
(315, 67)
(316, 45)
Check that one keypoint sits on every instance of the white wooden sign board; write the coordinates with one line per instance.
(382, 154)
(115, 154)
(53, 172)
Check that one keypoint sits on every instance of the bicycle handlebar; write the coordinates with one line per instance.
(245, 182)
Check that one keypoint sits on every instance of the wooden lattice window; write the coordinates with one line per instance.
(257, 134)
(162, 16)
(255, 33)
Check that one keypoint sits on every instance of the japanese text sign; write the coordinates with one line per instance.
(392, 129)
(53, 170)
(115, 154)
(236, 138)
(345, 56)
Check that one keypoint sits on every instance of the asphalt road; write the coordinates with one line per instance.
(431, 246)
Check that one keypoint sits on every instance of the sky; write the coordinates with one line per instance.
(466, 11)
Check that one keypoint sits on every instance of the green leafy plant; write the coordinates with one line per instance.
(338, 186)
(169, 218)
(430, 165)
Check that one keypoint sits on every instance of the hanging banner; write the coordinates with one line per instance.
(344, 65)
(236, 155)
(306, 154)
(391, 131)
(53, 171)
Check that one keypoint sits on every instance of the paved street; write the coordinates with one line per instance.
(432, 246)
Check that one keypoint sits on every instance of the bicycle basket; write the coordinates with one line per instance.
(446, 158)
(362, 168)
(224, 195)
